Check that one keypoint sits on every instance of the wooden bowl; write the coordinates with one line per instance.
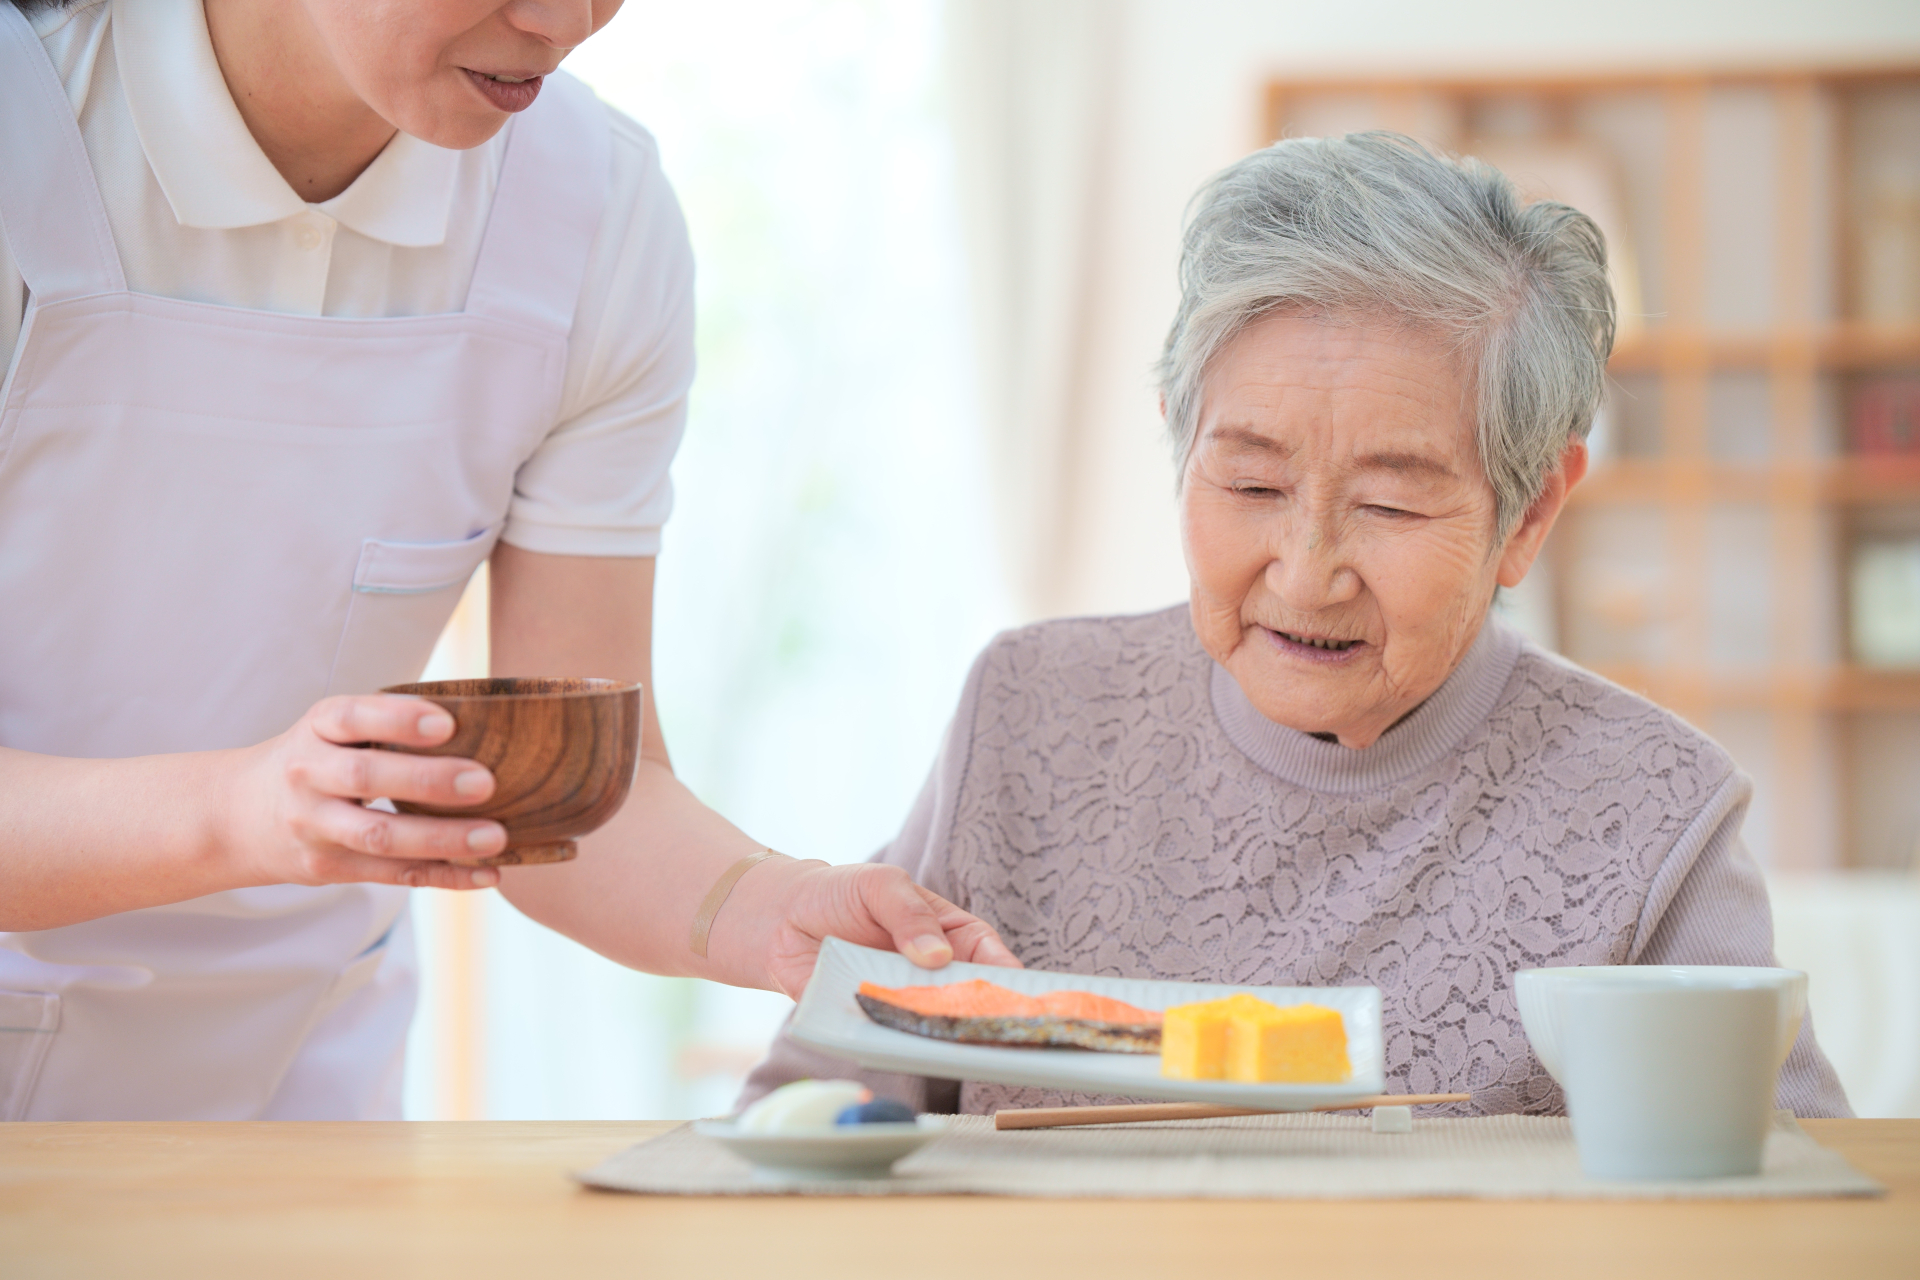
(562, 752)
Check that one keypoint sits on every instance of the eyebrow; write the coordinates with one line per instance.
(1405, 463)
(1399, 461)
(1241, 438)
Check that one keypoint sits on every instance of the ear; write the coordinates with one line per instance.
(1524, 543)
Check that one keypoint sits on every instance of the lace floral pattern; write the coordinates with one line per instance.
(1107, 823)
(1109, 800)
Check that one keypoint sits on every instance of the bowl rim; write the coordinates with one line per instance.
(1728, 975)
(438, 691)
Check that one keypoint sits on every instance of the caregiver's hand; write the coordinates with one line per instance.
(783, 910)
(85, 838)
(296, 811)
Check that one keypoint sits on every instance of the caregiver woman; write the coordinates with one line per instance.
(320, 305)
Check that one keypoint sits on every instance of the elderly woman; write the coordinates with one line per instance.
(1336, 766)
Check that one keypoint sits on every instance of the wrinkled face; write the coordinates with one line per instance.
(1339, 529)
(444, 70)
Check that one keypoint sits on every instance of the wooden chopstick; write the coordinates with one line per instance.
(1134, 1113)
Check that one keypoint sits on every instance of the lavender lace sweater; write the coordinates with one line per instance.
(1112, 803)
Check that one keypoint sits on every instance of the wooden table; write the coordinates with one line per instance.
(475, 1200)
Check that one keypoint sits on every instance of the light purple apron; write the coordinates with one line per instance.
(209, 519)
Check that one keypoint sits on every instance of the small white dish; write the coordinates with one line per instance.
(826, 1154)
(830, 1020)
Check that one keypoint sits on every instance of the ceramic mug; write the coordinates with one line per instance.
(1669, 1070)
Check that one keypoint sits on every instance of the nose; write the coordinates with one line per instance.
(560, 23)
(1309, 569)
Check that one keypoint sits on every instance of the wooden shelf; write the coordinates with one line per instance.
(1833, 689)
(1839, 348)
(1855, 481)
(1403, 93)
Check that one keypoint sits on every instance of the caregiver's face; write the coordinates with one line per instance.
(1339, 529)
(452, 71)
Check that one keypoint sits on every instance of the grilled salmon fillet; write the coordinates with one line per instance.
(980, 1012)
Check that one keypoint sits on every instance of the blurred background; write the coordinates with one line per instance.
(936, 246)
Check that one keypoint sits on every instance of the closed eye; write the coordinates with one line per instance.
(1393, 512)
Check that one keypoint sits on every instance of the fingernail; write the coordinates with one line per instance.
(435, 724)
(485, 877)
(487, 839)
(929, 949)
(471, 782)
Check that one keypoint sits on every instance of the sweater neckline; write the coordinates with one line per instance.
(1464, 700)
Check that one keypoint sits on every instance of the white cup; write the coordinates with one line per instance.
(1669, 1070)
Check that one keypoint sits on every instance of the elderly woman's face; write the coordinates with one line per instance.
(1339, 529)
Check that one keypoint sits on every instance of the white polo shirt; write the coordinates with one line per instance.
(199, 213)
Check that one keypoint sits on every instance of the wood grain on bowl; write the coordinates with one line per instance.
(562, 751)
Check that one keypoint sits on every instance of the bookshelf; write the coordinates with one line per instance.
(1765, 224)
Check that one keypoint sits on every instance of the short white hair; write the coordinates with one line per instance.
(1377, 225)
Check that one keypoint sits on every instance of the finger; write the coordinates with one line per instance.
(381, 717)
(900, 907)
(972, 939)
(360, 774)
(343, 866)
(344, 825)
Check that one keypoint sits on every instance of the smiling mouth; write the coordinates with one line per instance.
(1318, 642)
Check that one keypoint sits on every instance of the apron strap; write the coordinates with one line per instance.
(50, 208)
(546, 209)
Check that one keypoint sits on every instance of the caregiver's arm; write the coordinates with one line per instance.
(633, 891)
(81, 839)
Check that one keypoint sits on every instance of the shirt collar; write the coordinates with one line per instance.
(212, 171)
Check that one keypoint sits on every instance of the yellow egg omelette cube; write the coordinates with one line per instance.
(1193, 1041)
(1297, 1044)
(1193, 1037)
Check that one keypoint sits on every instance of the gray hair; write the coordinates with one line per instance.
(1375, 224)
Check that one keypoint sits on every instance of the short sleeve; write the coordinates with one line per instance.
(600, 483)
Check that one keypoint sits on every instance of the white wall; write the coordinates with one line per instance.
(822, 586)
(1189, 94)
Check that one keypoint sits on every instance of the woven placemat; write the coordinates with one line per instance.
(1282, 1157)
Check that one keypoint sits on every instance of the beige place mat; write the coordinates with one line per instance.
(1290, 1157)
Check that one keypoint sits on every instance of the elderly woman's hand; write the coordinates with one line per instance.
(783, 910)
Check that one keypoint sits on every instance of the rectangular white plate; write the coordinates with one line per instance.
(829, 1020)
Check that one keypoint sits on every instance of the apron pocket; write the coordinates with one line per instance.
(28, 1020)
(403, 594)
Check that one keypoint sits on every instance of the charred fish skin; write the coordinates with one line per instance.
(1030, 1033)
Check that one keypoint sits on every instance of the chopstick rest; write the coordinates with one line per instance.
(1141, 1112)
